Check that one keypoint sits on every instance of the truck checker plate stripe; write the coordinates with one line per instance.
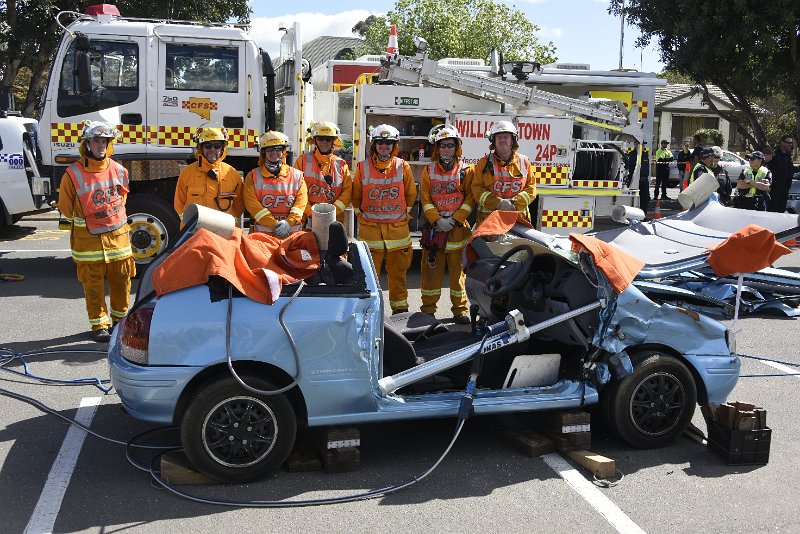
(565, 219)
(595, 183)
(182, 136)
(551, 174)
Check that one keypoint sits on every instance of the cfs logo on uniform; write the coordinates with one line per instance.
(439, 188)
(391, 193)
(104, 195)
(507, 187)
(273, 201)
(317, 190)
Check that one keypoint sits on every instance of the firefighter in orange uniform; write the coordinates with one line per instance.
(92, 199)
(383, 195)
(209, 181)
(275, 194)
(446, 197)
(503, 179)
(327, 175)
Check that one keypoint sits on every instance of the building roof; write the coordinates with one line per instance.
(675, 91)
(326, 47)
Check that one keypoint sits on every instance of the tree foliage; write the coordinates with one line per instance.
(746, 48)
(710, 136)
(29, 34)
(469, 28)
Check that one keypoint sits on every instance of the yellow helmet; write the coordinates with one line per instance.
(209, 132)
(327, 129)
(272, 138)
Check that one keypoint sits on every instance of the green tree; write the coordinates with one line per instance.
(29, 33)
(749, 49)
(470, 28)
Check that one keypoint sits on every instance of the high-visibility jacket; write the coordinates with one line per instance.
(339, 191)
(383, 194)
(492, 182)
(761, 175)
(87, 247)
(271, 198)
(448, 194)
(699, 169)
(195, 186)
(102, 196)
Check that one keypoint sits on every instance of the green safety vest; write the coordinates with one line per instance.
(694, 173)
(759, 176)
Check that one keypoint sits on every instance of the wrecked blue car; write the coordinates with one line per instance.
(553, 333)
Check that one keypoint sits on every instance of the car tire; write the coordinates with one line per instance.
(233, 435)
(654, 404)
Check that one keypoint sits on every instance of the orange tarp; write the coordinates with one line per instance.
(256, 264)
(746, 251)
(497, 223)
(619, 267)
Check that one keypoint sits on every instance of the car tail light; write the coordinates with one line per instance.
(135, 335)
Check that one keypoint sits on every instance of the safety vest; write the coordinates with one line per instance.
(695, 173)
(758, 177)
(383, 196)
(319, 190)
(505, 185)
(277, 196)
(101, 195)
(445, 193)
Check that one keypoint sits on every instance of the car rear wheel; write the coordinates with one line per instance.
(233, 435)
(653, 405)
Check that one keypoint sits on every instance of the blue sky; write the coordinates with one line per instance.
(582, 30)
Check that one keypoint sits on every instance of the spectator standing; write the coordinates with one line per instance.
(684, 159)
(663, 158)
(781, 168)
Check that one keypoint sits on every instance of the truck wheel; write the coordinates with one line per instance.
(153, 224)
(653, 405)
(235, 436)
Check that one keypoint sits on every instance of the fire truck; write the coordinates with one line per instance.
(157, 81)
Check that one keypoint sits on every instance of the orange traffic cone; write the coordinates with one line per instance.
(391, 48)
(657, 210)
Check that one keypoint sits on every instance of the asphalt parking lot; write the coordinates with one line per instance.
(484, 485)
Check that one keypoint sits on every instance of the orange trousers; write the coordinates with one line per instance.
(397, 263)
(93, 276)
(431, 282)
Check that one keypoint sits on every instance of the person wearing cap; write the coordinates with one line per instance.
(725, 187)
(503, 179)
(697, 150)
(275, 194)
(209, 181)
(663, 158)
(705, 165)
(753, 186)
(92, 199)
(384, 193)
(446, 197)
(327, 175)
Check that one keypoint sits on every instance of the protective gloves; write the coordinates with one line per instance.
(506, 205)
(282, 229)
(445, 224)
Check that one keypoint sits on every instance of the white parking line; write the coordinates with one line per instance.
(21, 250)
(44, 515)
(591, 494)
(784, 368)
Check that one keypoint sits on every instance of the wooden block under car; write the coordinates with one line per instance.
(341, 460)
(304, 458)
(337, 437)
(176, 469)
(571, 442)
(530, 443)
(561, 418)
(601, 466)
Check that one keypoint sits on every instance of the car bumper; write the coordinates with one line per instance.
(719, 374)
(148, 393)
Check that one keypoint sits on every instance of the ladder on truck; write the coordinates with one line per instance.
(424, 71)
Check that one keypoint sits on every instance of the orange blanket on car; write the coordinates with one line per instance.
(746, 251)
(256, 264)
(497, 223)
(619, 267)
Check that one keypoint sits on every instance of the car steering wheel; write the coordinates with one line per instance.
(512, 277)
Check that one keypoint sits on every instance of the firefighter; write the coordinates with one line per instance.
(327, 175)
(503, 179)
(275, 194)
(446, 197)
(209, 181)
(383, 195)
(92, 199)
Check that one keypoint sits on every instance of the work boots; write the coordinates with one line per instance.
(101, 336)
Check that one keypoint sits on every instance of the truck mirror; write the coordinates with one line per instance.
(82, 43)
(83, 71)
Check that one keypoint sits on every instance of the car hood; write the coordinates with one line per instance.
(678, 243)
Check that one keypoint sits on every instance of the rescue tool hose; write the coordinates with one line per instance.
(289, 337)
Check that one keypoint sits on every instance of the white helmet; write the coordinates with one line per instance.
(443, 131)
(92, 129)
(502, 127)
(384, 131)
